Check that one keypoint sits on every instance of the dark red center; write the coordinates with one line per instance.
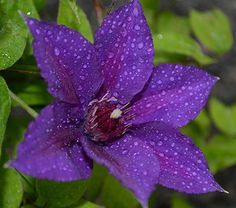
(106, 121)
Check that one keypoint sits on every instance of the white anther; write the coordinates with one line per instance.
(116, 113)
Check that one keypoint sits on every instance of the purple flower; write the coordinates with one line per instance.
(113, 106)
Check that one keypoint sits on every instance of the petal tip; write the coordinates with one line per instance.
(224, 191)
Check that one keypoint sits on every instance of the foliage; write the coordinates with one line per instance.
(201, 38)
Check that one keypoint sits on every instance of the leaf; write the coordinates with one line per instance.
(11, 191)
(213, 30)
(95, 182)
(180, 202)
(223, 116)
(171, 23)
(28, 8)
(198, 129)
(180, 44)
(115, 195)
(39, 4)
(85, 204)
(35, 95)
(71, 15)
(220, 152)
(60, 194)
(5, 107)
(32, 89)
(165, 57)
(13, 34)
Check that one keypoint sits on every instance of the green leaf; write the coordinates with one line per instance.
(39, 4)
(35, 95)
(115, 195)
(220, 152)
(223, 116)
(171, 23)
(180, 202)
(28, 8)
(13, 34)
(165, 57)
(180, 44)
(5, 107)
(60, 194)
(85, 204)
(72, 16)
(198, 129)
(213, 29)
(95, 182)
(11, 191)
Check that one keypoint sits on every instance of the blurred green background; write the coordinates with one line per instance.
(184, 31)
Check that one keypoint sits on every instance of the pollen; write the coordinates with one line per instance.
(116, 113)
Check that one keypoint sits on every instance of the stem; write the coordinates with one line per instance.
(98, 9)
(24, 71)
(28, 109)
(26, 180)
(30, 67)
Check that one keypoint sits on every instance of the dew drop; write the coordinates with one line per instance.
(137, 27)
(110, 55)
(135, 12)
(140, 45)
(160, 36)
(56, 51)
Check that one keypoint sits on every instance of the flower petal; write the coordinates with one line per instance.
(175, 95)
(67, 61)
(131, 161)
(125, 51)
(51, 149)
(182, 165)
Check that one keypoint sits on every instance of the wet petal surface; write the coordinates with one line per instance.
(182, 165)
(175, 95)
(67, 61)
(51, 149)
(131, 161)
(125, 51)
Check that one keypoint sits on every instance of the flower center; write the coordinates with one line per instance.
(106, 120)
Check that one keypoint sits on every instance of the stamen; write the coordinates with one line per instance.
(94, 112)
(116, 113)
(124, 106)
(104, 97)
(107, 119)
(130, 117)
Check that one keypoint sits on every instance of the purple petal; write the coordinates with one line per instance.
(131, 161)
(51, 149)
(125, 51)
(175, 95)
(182, 165)
(67, 61)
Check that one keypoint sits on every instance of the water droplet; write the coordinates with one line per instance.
(31, 22)
(135, 12)
(140, 45)
(160, 36)
(56, 51)
(160, 143)
(110, 55)
(137, 27)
